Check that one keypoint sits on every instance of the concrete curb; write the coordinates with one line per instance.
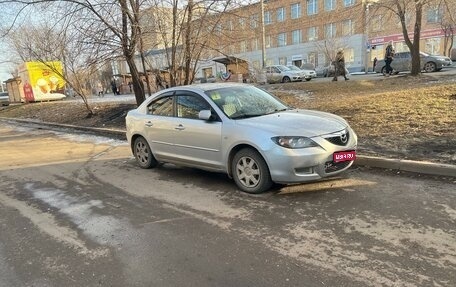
(422, 167)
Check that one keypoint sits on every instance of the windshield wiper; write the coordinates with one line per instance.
(245, 116)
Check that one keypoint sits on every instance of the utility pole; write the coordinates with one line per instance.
(263, 37)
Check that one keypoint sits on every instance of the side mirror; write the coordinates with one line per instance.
(205, 115)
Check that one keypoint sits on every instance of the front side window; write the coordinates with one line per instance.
(162, 106)
(295, 11)
(312, 7)
(189, 106)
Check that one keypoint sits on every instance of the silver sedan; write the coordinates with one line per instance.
(242, 131)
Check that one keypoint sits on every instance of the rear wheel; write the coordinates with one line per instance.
(250, 171)
(308, 79)
(143, 153)
(430, 67)
(286, 79)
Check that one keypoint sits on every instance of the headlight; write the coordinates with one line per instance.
(294, 142)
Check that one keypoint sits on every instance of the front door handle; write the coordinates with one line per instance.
(148, 124)
(180, 128)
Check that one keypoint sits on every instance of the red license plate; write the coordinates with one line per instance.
(344, 156)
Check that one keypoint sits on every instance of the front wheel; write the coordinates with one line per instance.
(286, 79)
(143, 153)
(430, 67)
(308, 79)
(250, 171)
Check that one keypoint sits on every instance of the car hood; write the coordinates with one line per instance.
(297, 123)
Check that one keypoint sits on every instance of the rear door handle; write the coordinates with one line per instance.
(148, 124)
(180, 128)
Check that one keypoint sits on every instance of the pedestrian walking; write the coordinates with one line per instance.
(114, 87)
(389, 56)
(100, 89)
(339, 65)
(375, 64)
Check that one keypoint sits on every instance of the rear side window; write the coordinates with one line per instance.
(161, 107)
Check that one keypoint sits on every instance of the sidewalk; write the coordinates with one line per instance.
(421, 167)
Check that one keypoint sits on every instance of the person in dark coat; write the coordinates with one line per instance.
(114, 87)
(339, 65)
(389, 56)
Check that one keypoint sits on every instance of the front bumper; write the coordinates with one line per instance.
(307, 164)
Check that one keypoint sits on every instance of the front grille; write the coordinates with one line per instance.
(337, 140)
(331, 166)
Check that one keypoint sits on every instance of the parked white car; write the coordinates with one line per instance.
(305, 73)
(282, 74)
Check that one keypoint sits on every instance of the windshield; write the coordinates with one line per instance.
(245, 101)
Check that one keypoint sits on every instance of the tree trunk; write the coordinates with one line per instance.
(415, 49)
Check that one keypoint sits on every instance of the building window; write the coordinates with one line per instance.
(313, 59)
(242, 22)
(267, 18)
(347, 27)
(330, 5)
(282, 60)
(280, 14)
(254, 21)
(330, 30)
(243, 47)
(218, 28)
(432, 46)
(349, 55)
(312, 34)
(255, 44)
(267, 40)
(377, 23)
(229, 25)
(296, 36)
(312, 7)
(207, 72)
(282, 39)
(348, 3)
(295, 11)
(434, 15)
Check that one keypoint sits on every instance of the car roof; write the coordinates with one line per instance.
(207, 86)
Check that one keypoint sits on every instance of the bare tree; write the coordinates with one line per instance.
(405, 10)
(114, 24)
(448, 24)
(49, 43)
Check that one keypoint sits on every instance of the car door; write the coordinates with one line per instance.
(269, 75)
(197, 142)
(159, 126)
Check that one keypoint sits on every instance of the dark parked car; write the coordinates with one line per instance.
(4, 99)
(403, 62)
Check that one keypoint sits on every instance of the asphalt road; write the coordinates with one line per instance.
(75, 210)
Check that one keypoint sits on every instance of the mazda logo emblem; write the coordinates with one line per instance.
(343, 138)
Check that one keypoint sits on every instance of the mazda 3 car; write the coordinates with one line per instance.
(240, 130)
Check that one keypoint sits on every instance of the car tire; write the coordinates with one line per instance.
(286, 79)
(383, 71)
(250, 171)
(143, 154)
(430, 67)
(308, 79)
